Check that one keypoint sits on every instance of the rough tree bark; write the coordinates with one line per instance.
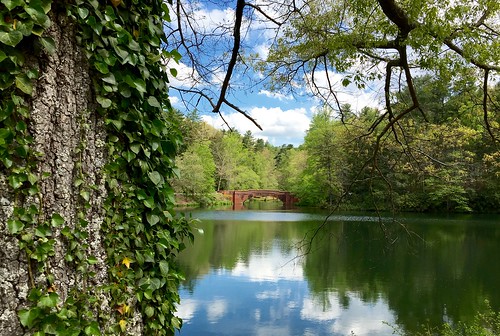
(63, 119)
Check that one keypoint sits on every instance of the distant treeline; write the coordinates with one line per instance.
(439, 158)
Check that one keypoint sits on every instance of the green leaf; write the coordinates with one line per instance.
(16, 181)
(149, 311)
(173, 72)
(149, 202)
(23, 83)
(56, 220)
(153, 102)
(27, 317)
(102, 67)
(2, 56)
(155, 284)
(156, 178)
(11, 4)
(117, 123)
(48, 301)
(152, 219)
(93, 329)
(38, 15)
(92, 260)
(164, 268)
(110, 79)
(48, 44)
(83, 12)
(25, 27)
(15, 226)
(11, 38)
(128, 155)
(85, 195)
(66, 231)
(104, 102)
(135, 147)
(140, 85)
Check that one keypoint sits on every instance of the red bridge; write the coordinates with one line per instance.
(238, 197)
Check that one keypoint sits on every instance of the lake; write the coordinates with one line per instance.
(254, 272)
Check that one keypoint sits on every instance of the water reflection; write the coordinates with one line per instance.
(243, 277)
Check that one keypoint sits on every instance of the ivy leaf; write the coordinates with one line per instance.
(104, 102)
(93, 329)
(152, 101)
(11, 4)
(102, 67)
(126, 261)
(85, 195)
(140, 85)
(25, 27)
(56, 220)
(110, 79)
(149, 311)
(2, 56)
(48, 301)
(48, 44)
(156, 178)
(38, 15)
(92, 260)
(27, 317)
(164, 267)
(152, 219)
(11, 38)
(23, 83)
(135, 147)
(123, 325)
(83, 12)
(149, 202)
(123, 309)
(15, 226)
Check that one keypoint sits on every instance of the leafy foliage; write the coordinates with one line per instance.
(123, 44)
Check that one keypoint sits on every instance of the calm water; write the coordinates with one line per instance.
(245, 274)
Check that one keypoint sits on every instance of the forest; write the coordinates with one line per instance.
(443, 159)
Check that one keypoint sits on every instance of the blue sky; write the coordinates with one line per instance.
(283, 117)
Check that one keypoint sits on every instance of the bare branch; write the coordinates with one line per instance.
(243, 112)
(240, 5)
(485, 106)
(258, 9)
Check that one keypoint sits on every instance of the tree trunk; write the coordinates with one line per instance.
(70, 136)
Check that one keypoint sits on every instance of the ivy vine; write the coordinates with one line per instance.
(125, 46)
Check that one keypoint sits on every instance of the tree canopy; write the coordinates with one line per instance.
(378, 45)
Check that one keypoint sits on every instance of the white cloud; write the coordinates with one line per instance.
(174, 100)
(364, 319)
(359, 317)
(279, 126)
(272, 266)
(216, 309)
(276, 95)
(267, 330)
(311, 310)
(187, 309)
(187, 77)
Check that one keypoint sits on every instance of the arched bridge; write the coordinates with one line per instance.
(238, 197)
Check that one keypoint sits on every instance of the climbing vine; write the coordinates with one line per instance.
(125, 46)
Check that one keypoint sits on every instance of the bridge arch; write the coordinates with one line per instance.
(238, 197)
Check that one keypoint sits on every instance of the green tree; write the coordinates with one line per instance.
(196, 169)
(265, 167)
(324, 159)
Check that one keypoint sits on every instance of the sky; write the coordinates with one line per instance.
(284, 117)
